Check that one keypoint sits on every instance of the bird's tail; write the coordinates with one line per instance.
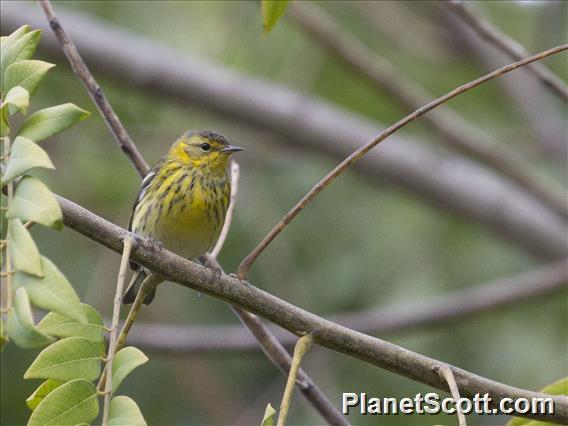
(134, 287)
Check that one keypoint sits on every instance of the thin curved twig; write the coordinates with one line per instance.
(453, 129)
(230, 289)
(230, 210)
(512, 48)
(244, 267)
(95, 92)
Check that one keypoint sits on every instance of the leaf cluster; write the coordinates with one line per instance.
(72, 333)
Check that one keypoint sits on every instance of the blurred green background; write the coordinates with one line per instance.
(361, 244)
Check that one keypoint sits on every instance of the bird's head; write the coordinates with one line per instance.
(203, 149)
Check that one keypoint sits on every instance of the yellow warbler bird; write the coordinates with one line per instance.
(183, 202)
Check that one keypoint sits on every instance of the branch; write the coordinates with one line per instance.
(453, 129)
(230, 289)
(496, 296)
(508, 45)
(245, 265)
(95, 92)
(459, 187)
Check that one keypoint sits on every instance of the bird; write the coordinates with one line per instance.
(182, 202)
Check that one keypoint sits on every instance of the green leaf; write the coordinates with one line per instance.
(50, 121)
(23, 251)
(272, 11)
(41, 392)
(268, 418)
(560, 387)
(126, 360)
(67, 359)
(25, 155)
(70, 404)
(17, 50)
(52, 292)
(20, 325)
(125, 412)
(26, 74)
(4, 125)
(34, 201)
(7, 41)
(17, 99)
(58, 325)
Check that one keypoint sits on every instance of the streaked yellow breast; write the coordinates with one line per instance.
(189, 212)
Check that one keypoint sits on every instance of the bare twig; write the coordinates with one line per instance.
(508, 45)
(95, 92)
(446, 372)
(244, 267)
(113, 328)
(302, 347)
(496, 296)
(452, 128)
(298, 321)
(148, 285)
(271, 347)
(458, 186)
(229, 217)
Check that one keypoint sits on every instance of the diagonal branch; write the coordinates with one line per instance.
(95, 92)
(230, 289)
(245, 265)
(496, 296)
(450, 126)
(508, 45)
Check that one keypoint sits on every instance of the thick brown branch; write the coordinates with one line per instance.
(452, 128)
(496, 296)
(509, 46)
(298, 321)
(448, 181)
(95, 92)
(245, 265)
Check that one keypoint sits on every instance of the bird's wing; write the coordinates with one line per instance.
(143, 188)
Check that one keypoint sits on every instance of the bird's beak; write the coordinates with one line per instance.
(232, 148)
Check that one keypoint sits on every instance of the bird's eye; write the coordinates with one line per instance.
(205, 147)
